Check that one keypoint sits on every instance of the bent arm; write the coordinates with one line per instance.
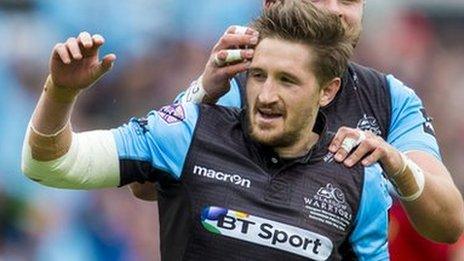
(55, 156)
(147, 149)
(215, 80)
(52, 153)
(438, 213)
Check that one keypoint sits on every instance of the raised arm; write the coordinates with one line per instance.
(74, 66)
(229, 56)
(50, 145)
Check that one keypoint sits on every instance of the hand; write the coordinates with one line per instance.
(370, 149)
(229, 56)
(75, 65)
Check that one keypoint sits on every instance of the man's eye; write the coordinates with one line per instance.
(257, 75)
(287, 80)
(350, 1)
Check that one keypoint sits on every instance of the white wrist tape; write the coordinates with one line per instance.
(405, 165)
(411, 180)
(196, 93)
(91, 162)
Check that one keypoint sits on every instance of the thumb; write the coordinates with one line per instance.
(105, 65)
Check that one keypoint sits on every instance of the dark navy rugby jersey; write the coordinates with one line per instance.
(222, 196)
(369, 100)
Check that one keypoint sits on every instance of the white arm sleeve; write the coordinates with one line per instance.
(91, 162)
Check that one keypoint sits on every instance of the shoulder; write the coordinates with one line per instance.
(403, 98)
(369, 77)
(398, 88)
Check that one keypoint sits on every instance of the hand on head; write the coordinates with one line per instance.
(231, 55)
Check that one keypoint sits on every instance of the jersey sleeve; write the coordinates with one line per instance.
(410, 128)
(231, 99)
(155, 147)
(370, 234)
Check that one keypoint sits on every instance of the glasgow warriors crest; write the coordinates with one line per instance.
(369, 123)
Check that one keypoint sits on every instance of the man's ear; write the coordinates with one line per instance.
(329, 91)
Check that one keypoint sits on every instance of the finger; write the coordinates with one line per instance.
(62, 53)
(105, 65)
(231, 70)
(73, 47)
(85, 39)
(361, 136)
(341, 155)
(227, 56)
(232, 40)
(350, 141)
(108, 60)
(242, 30)
(363, 149)
(232, 56)
(372, 158)
(98, 41)
(338, 139)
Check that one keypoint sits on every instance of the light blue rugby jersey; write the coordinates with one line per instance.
(410, 126)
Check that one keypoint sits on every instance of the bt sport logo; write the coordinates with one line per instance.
(265, 232)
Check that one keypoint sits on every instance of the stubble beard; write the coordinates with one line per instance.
(354, 33)
(285, 138)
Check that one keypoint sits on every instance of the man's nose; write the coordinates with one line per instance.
(268, 93)
(334, 7)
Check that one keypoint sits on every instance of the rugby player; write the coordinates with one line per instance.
(251, 184)
(368, 100)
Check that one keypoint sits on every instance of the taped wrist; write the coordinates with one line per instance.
(409, 183)
(197, 94)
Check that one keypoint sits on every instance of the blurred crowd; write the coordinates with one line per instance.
(161, 47)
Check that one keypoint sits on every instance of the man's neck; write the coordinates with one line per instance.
(299, 148)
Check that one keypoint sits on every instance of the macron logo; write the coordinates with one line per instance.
(212, 174)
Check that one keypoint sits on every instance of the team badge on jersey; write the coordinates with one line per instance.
(369, 123)
(173, 113)
(329, 206)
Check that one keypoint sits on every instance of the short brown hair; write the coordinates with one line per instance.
(301, 22)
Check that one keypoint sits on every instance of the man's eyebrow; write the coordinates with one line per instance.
(255, 68)
(290, 75)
